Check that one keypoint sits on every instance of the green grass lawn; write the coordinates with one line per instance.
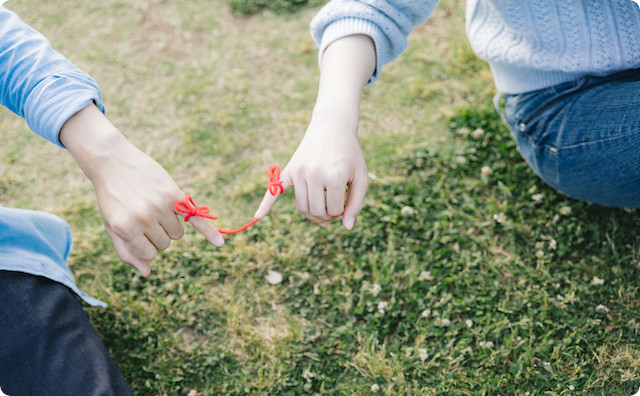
(464, 275)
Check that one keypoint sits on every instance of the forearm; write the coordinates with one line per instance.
(347, 66)
(93, 141)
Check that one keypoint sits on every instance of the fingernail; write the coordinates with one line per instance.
(349, 222)
(218, 240)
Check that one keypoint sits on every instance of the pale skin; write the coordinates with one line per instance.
(329, 165)
(135, 194)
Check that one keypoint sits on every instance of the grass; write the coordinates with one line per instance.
(454, 281)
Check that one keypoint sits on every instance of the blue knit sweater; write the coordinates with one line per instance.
(529, 44)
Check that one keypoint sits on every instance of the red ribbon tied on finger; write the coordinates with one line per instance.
(274, 180)
(189, 207)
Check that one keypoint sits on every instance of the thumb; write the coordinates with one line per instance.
(269, 199)
(355, 200)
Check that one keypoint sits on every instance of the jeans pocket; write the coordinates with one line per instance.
(527, 108)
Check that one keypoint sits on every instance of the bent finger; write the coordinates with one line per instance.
(158, 237)
(127, 256)
(172, 225)
(335, 200)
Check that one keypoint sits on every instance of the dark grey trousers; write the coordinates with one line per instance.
(47, 344)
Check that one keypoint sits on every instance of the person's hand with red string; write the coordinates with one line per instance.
(135, 194)
(328, 165)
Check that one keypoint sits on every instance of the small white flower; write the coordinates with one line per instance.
(500, 218)
(537, 197)
(274, 277)
(426, 313)
(565, 210)
(486, 171)
(445, 322)
(571, 387)
(407, 211)
(376, 289)
(533, 189)
(597, 281)
(461, 160)
(469, 323)
(425, 276)
(547, 364)
(486, 344)
(464, 132)
(375, 388)
(602, 309)
(553, 244)
(423, 354)
(308, 375)
(478, 133)
(539, 254)
(383, 306)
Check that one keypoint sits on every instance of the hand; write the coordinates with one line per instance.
(327, 162)
(135, 194)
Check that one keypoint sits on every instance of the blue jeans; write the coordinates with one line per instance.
(583, 137)
(47, 344)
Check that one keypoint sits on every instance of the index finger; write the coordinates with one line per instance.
(207, 229)
(269, 200)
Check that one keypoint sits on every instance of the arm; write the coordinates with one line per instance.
(135, 194)
(356, 38)
(329, 156)
(63, 105)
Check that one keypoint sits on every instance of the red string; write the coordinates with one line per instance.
(189, 207)
(244, 227)
(274, 180)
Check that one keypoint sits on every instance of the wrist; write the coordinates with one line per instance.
(92, 140)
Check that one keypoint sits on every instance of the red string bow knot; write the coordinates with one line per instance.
(189, 207)
(274, 180)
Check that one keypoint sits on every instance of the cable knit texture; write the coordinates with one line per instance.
(529, 44)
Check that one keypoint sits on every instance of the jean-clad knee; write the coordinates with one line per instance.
(583, 137)
(47, 344)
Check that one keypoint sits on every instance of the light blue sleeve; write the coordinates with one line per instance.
(387, 22)
(37, 83)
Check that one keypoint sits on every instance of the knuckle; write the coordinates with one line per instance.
(164, 244)
(334, 178)
(177, 233)
(302, 207)
(148, 254)
(124, 228)
(335, 212)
